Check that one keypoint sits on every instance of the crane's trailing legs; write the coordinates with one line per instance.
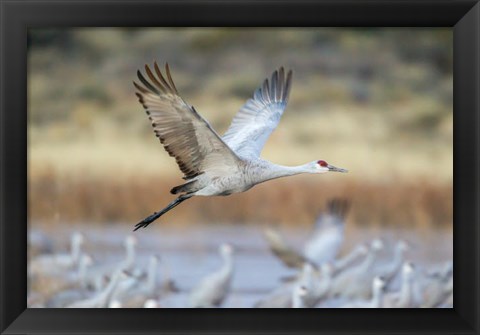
(145, 222)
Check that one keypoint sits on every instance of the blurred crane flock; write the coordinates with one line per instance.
(377, 101)
(371, 274)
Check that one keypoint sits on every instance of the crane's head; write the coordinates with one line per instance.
(307, 270)
(226, 249)
(130, 241)
(86, 260)
(377, 245)
(408, 269)
(77, 238)
(361, 250)
(378, 283)
(150, 303)
(301, 291)
(403, 245)
(321, 167)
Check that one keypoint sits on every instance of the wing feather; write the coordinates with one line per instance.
(184, 133)
(260, 115)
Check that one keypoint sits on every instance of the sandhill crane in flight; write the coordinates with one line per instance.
(214, 165)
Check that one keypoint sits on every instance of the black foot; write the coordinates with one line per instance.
(145, 222)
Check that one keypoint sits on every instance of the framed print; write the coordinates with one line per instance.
(329, 155)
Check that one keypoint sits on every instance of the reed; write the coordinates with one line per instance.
(55, 198)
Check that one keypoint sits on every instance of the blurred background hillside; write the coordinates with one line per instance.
(375, 101)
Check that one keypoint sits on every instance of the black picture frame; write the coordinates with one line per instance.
(17, 16)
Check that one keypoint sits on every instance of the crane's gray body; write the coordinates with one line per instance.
(247, 175)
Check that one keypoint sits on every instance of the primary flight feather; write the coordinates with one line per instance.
(214, 165)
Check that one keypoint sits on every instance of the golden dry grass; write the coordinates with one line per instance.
(55, 198)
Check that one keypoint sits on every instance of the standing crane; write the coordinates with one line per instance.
(213, 289)
(214, 165)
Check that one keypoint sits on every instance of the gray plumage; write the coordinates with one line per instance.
(350, 259)
(376, 301)
(143, 289)
(76, 290)
(388, 270)
(317, 283)
(97, 275)
(281, 249)
(280, 297)
(214, 165)
(315, 287)
(327, 238)
(405, 298)
(299, 297)
(51, 264)
(355, 282)
(435, 289)
(102, 299)
(213, 289)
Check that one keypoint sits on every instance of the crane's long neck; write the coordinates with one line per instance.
(268, 171)
(377, 297)
(152, 275)
(406, 290)
(129, 256)
(307, 276)
(297, 299)
(227, 268)
(82, 273)
(369, 260)
(106, 294)
(395, 264)
(75, 249)
(228, 264)
(326, 282)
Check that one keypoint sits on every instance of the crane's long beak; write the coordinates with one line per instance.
(332, 168)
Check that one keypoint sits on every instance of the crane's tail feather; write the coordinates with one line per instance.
(149, 219)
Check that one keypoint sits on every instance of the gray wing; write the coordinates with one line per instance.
(288, 255)
(184, 133)
(257, 119)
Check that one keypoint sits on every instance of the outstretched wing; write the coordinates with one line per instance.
(184, 133)
(256, 120)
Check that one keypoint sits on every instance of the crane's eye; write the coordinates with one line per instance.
(322, 163)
